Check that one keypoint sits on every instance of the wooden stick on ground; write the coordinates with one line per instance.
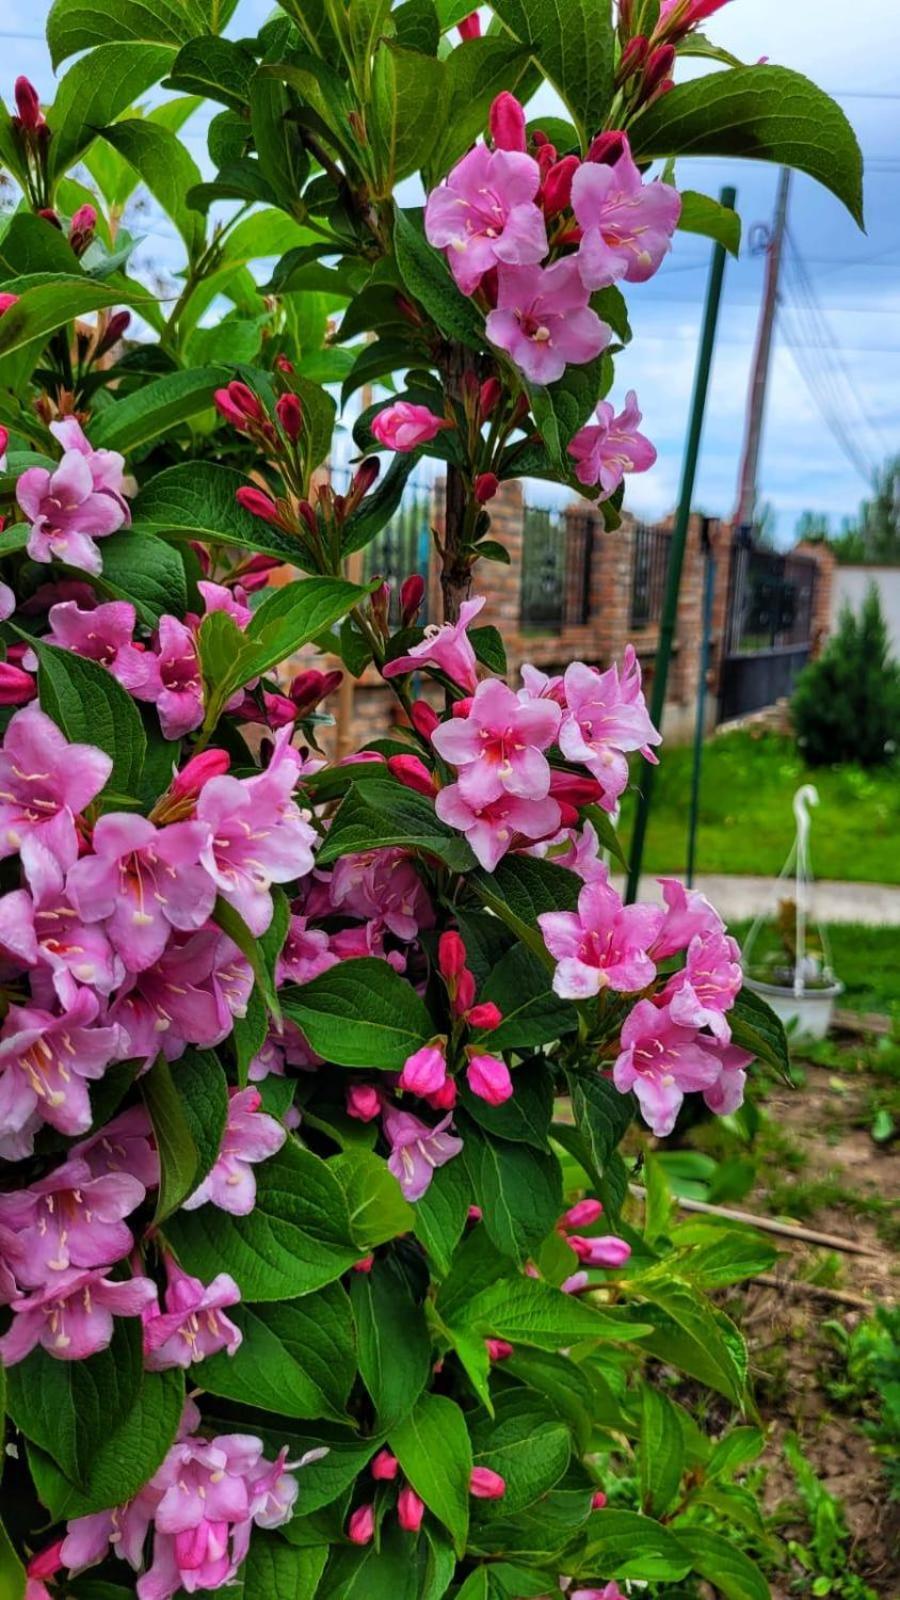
(800, 1286)
(786, 1230)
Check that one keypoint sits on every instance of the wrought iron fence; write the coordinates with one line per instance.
(557, 557)
(771, 601)
(649, 572)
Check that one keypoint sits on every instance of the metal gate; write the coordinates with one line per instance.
(768, 633)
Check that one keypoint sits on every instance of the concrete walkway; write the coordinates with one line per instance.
(740, 898)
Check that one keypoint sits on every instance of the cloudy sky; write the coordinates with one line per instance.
(838, 348)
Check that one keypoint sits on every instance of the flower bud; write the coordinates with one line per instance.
(379, 606)
(48, 214)
(444, 1098)
(598, 1500)
(279, 710)
(117, 325)
(451, 954)
(289, 412)
(410, 1509)
(82, 229)
(425, 1071)
(578, 788)
(361, 1527)
(309, 687)
(423, 718)
(576, 1284)
(196, 773)
(486, 1485)
(464, 997)
(365, 477)
(607, 148)
(226, 408)
(4, 443)
(413, 774)
(46, 1563)
(632, 59)
(364, 1264)
(488, 1078)
(258, 504)
(499, 1349)
(604, 1251)
(556, 190)
(284, 364)
(470, 26)
(16, 686)
(489, 396)
(385, 1467)
(658, 69)
(363, 1102)
(461, 708)
(486, 486)
(254, 574)
(507, 123)
(485, 1017)
(583, 1215)
(7, 300)
(412, 593)
(28, 106)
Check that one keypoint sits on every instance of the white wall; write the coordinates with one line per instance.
(851, 583)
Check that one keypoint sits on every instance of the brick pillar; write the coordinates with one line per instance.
(611, 597)
(685, 668)
(503, 584)
(820, 622)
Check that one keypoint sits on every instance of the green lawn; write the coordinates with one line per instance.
(867, 961)
(746, 822)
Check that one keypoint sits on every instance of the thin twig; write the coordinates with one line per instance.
(787, 1230)
(801, 1286)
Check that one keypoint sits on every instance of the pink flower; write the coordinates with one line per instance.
(72, 1317)
(688, 914)
(425, 1071)
(250, 1136)
(12, 1256)
(678, 17)
(410, 1509)
(122, 1146)
(404, 426)
(217, 597)
(603, 944)
(707, 986)
(204, 1515)
(193, 1324)
(141, 882)
(78, 502)
(485, 1484)
(44, 783)
(727, 1093)
(280, 1050)
(173, 680)
(46, 1062)
(604, 718)
(305, 953)
(417, 1149)
(361, 1527)
(627, 224)
(44, 928)
(543, 320)
(499, 744)
(498, 1349)
(71, 1219)
(88, 1538)
(608, 448)
(446, 647)
(605, 1250)
(385, 1467)
(383, 887)
(583, 1215)
(257, 835)
(485, 213)
(174, 1002)
(488, 1078)
(661, 1062)
(494, 828)
(610, 1591)
(103, 634)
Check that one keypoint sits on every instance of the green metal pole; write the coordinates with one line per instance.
(679, 540)
(709, 586)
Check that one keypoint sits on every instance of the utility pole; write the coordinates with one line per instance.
(756, 403)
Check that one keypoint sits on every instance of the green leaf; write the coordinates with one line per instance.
(661, 1454)
(561, 408)
(525, 1117)
(164, 166)
(625, 1545)
(262, 953)
(394, 1343)
(145, 570)
(406, 112)
(701, 214)
(688, 1334)
(12, 1572)
(95, 91)
(32, 244)
(378, 1211)
(417, 25)
(755, 1027)
(360, 1014)
(723, 1564)
(91, 707)
(44, 306)
(532, 1013)
(441, 1214)
(386, 813)
(377, 508)
(297, 1238)
(528, 1444)
(764, 113)
(735, 1449)
(279, 148)
(432, 1446)
(520, 888)
(75, 25)
(151, 410)
(572, 42)
(427, 278)
(291, 617)
(518, 1189)
(273, 1571)
(601, 1113)
(197, 501)
(297, 1358)
(569, 1387)
(386, 1571)
(476, 71)
(728, 1256)
(528, 1311)
(218, 69)
(188, 1107)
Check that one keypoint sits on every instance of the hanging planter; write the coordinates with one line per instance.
(786, 956)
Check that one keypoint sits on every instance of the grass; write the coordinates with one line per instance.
(746, 824)
(867, 961)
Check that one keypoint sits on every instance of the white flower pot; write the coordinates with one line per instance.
(809, 1014)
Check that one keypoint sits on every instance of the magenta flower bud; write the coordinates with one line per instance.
(658, 69)
(82, 229)
(607, 148)
(4, 441)
(16, 687)
(412, 593)
(364, 1264)
(464, 998)
(385, 1467)
(474, 1214)
(258, 504)
(289, 412)
(48, 214)
(226, 408)
(583, 1215)
(284, 364)
(488, 1078)
(576, 1284)
(7, 300)
(425, 1071)
(361, 1527)
(46, 1563)
(413, 774)
(423, 718)
(470, 26)
(404, 426)
(556, 190)
(28, 105)
(255, 572)
(489, 396)
(633, 57)
(451, 954)
(187, 784)
(246, 401)
(309, 688)
(486, 1017)
(486, 1485)
(498, 1349)
(444, 1098)
(598, 1500)
(363, 1102)
(507, 123)
(461, 708)
(115, 328)
(577, 788)
(279, 710)
(410, 1509)
(603, 1251)
(486, 486)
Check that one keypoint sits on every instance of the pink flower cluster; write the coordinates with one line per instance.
(80, 501)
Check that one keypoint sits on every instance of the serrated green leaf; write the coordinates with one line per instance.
(527, 1311)
(360, 1014)
(518, 1189)
(755, 1027)
(394, 1343)
(701, 214)
(572, 42)
(95, 91)
(723, 1564)
(146, 571)
(623, 1544)
(297, 1358)
(91, 707)
(661, 1453)
(432, 1446)
(188, 1107)
(427, 279)
(151, 410)
(386, 814)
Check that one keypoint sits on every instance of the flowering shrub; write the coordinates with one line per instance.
(318, 1271)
